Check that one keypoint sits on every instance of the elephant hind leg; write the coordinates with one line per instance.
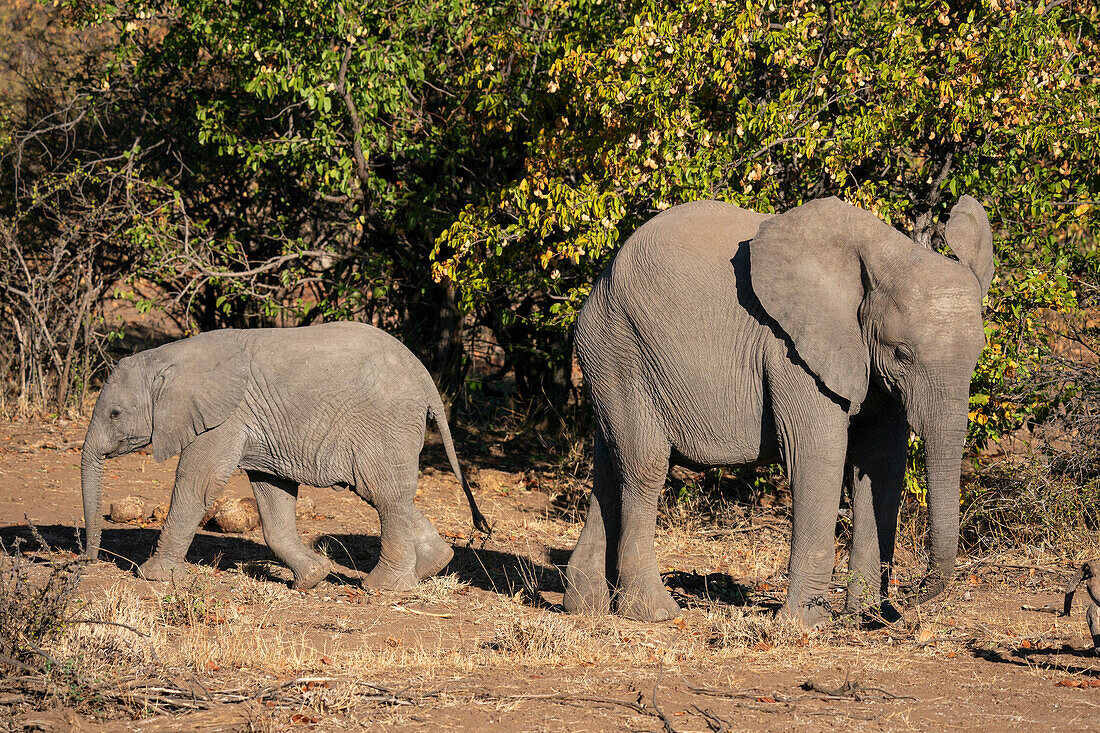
(433, 553)
(592, 566)
(411, 546)
(642, 467)
(276, 498)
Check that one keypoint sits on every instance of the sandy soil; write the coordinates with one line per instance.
(484, 646)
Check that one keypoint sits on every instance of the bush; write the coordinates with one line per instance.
(33, 614)
(1023, 503)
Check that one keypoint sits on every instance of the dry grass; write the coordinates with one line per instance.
(731, 627)
(544, 638)
(440, 589)
(1022, 502)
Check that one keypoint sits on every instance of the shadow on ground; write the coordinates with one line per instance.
(496, 571)
(127, 547)
(1048, 657)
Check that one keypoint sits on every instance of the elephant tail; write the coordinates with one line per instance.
(437, 413)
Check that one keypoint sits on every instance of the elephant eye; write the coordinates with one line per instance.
(903, 354)
(115, 413)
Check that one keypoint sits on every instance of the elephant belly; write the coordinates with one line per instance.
(715, 416)
(725, 443)
(315, 471)
(315, 458)
(356, 444)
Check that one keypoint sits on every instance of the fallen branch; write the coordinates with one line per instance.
(851, 689)
(847, 691)
(637, 707)
(716, 724)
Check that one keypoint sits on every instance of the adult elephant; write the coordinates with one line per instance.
(723, 337)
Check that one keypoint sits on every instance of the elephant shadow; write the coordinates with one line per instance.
(696, 589)
(126, 547)
(494, 571)
(1045, 657)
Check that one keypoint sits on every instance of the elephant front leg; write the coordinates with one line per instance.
(876, 456)
(203, 471)
(276, 498)
(814, 452)
(591, 567)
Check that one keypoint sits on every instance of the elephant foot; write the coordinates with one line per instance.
(586, 592)
(156, 569)
(811, 615)
(862, 597)
(311, 575)
(432, 555)
(386, 577)
(647, 604)
(889, 613)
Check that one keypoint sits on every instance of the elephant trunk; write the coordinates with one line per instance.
(91, 486)
(943, 450)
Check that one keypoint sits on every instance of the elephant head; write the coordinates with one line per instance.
(165, 396)
(861, 302)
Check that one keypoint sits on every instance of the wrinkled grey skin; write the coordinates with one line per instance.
(340, 404)
(1089, 577)
(723, 337)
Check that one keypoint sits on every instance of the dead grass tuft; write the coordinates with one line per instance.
(1023, 502)
(543, 637)
(107, 636)
(733, 627)
(440, 589)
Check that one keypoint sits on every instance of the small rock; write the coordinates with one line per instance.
(128, 509)
(160, 513)
(237, 515)
(305, 508)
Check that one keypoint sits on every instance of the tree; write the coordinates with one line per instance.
(898, 107)
(321, 156)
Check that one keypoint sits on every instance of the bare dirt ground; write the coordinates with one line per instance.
(484, 645)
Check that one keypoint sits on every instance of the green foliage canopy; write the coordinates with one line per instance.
(898, 107)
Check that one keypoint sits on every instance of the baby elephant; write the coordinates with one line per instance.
(1089, 576)
(339, 404)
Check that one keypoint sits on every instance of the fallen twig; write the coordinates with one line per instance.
(716, 724)
(847, 691)
(404, 609)
(660, 714)
(635, 706)
(17, 665)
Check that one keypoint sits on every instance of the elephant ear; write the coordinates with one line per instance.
(807, 273)
(970, 238)
(200, 382)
